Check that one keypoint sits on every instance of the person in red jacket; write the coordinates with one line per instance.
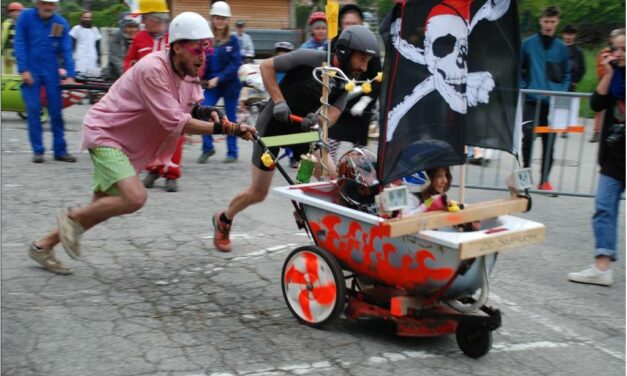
(154, 37)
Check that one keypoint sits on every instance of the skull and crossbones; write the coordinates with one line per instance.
(445, 53)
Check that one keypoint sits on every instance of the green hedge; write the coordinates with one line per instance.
(107, 17)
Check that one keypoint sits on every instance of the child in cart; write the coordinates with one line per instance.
(430, 193)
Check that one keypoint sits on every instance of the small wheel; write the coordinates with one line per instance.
(313, 286)
(474, 339)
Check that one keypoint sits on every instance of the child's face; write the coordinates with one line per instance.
(440, 181)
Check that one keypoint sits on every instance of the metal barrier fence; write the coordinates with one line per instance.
(575, 169)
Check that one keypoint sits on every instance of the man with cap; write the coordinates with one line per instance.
(119, 44)
(298, 93)
(8, 36)
(140, 118)
(41, 37)
(246, 46)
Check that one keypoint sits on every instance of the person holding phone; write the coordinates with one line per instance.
(609, 96)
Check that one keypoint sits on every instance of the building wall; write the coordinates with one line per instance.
(264, 14)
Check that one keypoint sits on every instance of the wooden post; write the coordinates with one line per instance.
(462, 183)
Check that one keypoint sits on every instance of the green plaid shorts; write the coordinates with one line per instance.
(110, 166)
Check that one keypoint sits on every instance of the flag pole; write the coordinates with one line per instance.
(462, 183)
(332, 13)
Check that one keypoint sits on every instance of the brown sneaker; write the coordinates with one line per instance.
(221, 234)
(70, 232)
(65, 158)
(45, 258)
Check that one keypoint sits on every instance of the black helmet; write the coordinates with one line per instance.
(355, 38)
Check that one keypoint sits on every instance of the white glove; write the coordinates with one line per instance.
(360, 106)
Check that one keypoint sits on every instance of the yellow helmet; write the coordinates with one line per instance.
(153, 6)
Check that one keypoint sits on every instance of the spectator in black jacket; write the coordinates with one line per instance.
(575, 56)
(354, 122)
(609, 96)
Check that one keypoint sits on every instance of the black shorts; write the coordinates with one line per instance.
(267, 126)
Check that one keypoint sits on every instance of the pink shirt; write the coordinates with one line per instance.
(144, 112)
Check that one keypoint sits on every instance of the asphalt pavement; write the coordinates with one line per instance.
(153, 297)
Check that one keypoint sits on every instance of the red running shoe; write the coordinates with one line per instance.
(546, 186)
(221, 234)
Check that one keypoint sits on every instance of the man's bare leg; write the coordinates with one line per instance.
(102, 207)
(255, 193)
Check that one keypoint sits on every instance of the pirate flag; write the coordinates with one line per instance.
(451, 74)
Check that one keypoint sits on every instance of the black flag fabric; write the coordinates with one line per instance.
(451, 79)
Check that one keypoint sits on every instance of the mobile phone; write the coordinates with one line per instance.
(614, 64)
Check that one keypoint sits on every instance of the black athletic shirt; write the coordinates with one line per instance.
(300, 90)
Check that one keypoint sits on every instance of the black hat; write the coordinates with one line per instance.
(240, 23)
(350, 8)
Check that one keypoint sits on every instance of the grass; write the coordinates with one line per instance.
(589, 81)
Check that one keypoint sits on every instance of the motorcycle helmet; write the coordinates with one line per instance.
(357, 179)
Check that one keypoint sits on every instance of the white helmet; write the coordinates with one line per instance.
(189, 26)
(220, 8)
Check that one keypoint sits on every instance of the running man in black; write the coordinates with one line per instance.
(299, 94)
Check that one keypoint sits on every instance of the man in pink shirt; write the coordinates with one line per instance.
(140, 119)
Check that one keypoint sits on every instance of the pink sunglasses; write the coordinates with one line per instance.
(205, 47)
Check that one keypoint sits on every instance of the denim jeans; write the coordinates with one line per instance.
(605, 219)
(548, 139)
(230, 106)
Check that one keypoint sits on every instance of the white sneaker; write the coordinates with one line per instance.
(592, 276)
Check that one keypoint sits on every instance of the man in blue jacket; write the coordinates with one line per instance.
(41, 35)
(545, 66)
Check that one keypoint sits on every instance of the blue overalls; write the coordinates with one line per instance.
(38, 44)
(224, 63)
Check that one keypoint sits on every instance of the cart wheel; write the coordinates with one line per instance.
(313, 286)
(474, 339)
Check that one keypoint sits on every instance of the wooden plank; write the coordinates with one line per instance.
(432, 220)
(501, 242)
(290, 139)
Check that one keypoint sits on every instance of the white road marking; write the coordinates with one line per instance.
(265, 252)
(387, 357)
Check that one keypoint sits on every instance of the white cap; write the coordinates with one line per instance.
(220, 8)
(189, 26)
